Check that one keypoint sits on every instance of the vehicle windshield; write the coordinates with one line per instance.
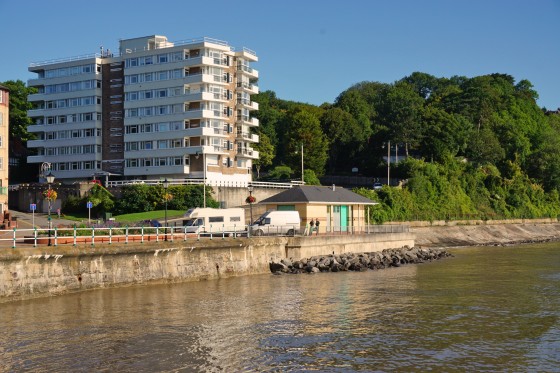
(259, 221)
(191, 222)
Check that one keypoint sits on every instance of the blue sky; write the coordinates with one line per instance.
(309, 50)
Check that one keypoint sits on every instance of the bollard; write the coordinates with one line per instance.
(55, 236)
(92, 236)
(14, 245)
(110, 235)
(75, 235)
(126, 235)
(35, 237)
(142, 235)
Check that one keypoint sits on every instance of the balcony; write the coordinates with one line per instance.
(248, 87)
(205, 131)
(247, 153)
(247, 136)
(248, 71)
(247, 120)
(203, 78)
(247, 104)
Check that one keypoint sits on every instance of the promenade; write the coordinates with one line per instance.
(27, 221)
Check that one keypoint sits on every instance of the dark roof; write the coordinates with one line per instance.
(319, 194)
(4, 87)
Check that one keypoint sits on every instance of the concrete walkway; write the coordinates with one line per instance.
(26, 222)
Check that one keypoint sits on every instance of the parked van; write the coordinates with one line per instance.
(209, 220)
(277, 222)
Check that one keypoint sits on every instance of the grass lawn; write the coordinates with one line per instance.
(135, 217)
(149, 215)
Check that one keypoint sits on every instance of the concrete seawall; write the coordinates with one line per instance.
(43, 271)
(487, 233)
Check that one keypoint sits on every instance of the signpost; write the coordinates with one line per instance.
(33, 207)
(89, 206)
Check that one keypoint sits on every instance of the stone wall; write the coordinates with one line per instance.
(33, 272)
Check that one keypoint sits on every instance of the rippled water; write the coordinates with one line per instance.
(486, 309)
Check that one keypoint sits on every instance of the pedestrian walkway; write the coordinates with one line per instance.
(27, 221)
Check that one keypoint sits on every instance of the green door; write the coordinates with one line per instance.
(343, 218)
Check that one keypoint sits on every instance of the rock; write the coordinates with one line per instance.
(286, 262)
(359, 261)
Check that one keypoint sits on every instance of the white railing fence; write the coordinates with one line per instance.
(108, 235)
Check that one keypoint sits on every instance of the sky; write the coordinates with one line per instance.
(309, 50)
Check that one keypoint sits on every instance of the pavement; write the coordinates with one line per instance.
(26, 222)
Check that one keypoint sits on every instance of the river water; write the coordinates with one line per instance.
(486, 309)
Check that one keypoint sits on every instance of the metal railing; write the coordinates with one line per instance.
(109, 235)
(217, 183)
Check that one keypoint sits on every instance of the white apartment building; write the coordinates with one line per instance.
(157, 109)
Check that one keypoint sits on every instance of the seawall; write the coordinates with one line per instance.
(49, 270)
(455, 234)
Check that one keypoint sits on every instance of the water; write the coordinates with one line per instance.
(486, 309)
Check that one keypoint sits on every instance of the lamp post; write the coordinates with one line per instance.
(389, 163)
(250, 188)
(165, 196)
(203, 176)
(50, 180)
(302, 178)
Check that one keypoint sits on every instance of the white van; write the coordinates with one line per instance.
(209, 220)
(277, 222)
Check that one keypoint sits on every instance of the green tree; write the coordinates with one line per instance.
(266, 153)
(305, 129)
(310, 178)
(400, 114)
(280, 173)
(343, 134)
(19, 121)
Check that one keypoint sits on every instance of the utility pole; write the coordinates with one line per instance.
(302, 180)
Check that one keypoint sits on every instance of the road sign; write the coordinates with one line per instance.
(33, 207)
(89, 205)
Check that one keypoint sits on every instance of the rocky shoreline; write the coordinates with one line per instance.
(359, 261)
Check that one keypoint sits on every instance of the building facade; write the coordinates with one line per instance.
(336, 209)
(4, 138)
(157, 109)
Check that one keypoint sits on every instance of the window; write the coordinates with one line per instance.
(162, 144)
(162, 58)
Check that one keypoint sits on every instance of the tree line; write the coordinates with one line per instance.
(474, 147)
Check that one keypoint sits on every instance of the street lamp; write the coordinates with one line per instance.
(203, 176)
(165, 196)
(250, 188)
(388, 162)
(50, 180)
